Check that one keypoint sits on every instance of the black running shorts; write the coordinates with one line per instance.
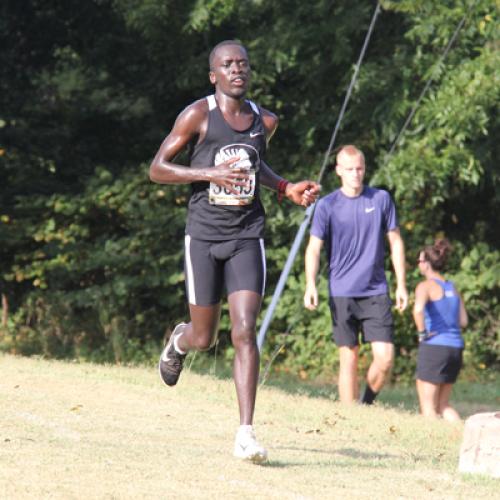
(209, 265)
(370, 316)
(438, 364)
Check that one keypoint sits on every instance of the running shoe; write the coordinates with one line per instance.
(170, 365)
(247, 448)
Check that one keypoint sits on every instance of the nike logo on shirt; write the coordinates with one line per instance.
(255, 134)
(368, 210)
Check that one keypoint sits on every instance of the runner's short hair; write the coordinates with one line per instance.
(350, 150)
(222, 44)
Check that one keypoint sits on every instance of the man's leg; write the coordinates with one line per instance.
(198, 335)
(383, 357)
(244, 306)
(245, 274)
(345, 335)
(348, 374)
(428, 396)
(378, 329)
(204, 280)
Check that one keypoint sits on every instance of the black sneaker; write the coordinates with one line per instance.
(170, 365)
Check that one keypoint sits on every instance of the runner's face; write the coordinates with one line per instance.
(351, 170)
(231, 70)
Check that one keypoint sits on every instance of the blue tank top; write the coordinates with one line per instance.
(442, 317)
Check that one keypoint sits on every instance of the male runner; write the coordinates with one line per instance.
(353, 221)
(225, 226)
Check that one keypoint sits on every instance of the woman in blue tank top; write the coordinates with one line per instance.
(439, 315)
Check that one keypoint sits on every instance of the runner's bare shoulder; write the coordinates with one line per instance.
(193, 119)
(271, 122)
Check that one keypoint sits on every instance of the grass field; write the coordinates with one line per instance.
(74, 430)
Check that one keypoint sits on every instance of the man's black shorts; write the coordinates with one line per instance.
(371, 316)
(438, 364)
(209, 265)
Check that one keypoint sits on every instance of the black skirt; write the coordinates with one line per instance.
(438, 364)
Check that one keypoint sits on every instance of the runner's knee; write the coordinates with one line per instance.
(203, 338)
(243, 330)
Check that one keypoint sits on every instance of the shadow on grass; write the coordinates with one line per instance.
(371, 460)
(346, 452)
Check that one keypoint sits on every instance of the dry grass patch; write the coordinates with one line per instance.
(72, 430)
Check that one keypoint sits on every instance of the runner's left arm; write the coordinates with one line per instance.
(301, 193)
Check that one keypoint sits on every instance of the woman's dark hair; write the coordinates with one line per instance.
(437, 254)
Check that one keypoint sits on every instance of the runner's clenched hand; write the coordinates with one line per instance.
(303, 193)
(228, 177)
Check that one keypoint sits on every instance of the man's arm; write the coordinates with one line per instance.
(312, 259)
(398, 262)
(190, 124)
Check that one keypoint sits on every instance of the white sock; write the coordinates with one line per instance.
(176, 346)
(245, 428)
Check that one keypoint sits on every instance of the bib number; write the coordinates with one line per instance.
(218, 195)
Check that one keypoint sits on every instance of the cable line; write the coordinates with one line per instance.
(428, 83)
(310, 210)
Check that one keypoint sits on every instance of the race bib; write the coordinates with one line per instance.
(219, 195)
(248, 160)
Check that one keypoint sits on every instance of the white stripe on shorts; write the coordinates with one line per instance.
(189, 271)
(264, 269)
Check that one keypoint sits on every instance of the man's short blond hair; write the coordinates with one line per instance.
(349, 150)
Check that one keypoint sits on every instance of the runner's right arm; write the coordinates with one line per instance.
(190, 125)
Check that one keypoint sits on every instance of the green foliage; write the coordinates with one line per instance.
(479, 280)
(92, 251)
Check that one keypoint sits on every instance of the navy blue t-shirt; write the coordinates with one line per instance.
(354, 230)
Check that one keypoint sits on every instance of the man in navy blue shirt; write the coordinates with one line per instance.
(351, 223)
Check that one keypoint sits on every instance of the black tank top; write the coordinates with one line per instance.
(213, 213)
